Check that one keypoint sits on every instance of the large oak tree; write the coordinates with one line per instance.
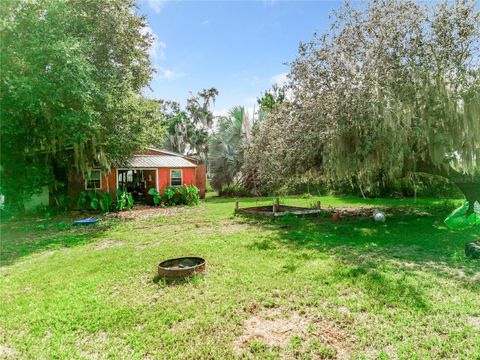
(393, 88)
(72, 72)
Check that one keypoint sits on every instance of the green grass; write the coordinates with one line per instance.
(402, 289)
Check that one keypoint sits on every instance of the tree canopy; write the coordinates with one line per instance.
(392, 88)
(270, 98)
(188, 129)
(71, 80)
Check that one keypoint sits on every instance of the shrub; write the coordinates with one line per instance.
(96, 199)
(124, 199)
(234, 191)
(157, 198)
(102, 201)
(305, 187)
(82, 200)
(186, 195)
(423, 185)
(171, 196)
(192, 195)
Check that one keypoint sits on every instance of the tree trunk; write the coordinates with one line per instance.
(471, 191)
(468, 185)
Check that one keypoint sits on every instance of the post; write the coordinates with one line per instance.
(236, 206)
(276, 206)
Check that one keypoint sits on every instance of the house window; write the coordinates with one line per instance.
(94, 181)
(175, 177)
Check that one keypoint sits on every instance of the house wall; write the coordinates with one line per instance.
(40, 199)
(201, 179)
(111, 180)
(190, 176)
(76, 184)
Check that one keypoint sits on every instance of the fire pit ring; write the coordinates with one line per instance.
(180, 268)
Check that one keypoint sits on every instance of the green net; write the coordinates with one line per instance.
(458, 219)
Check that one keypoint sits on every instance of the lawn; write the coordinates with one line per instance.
(289, 288)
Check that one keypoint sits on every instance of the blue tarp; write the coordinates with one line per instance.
(85, 221)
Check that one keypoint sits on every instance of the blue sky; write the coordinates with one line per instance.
(239, 47)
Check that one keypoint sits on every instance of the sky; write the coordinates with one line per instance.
(239, 47)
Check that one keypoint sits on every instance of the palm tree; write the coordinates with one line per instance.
(226, 148)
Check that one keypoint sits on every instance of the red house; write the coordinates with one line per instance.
(154, 168)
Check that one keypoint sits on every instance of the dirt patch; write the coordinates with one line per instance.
(275, 330)
(47, 253)
(146, 211)
(232, 228)
(142, 246)
(271, 329)
(223, 227)
(474, 321)
(252, 308)
(90, 344)
(352, 211)
(7, 352)
(108, 244)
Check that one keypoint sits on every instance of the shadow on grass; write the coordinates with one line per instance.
(193, 279)
(403, 238)
(382, 287)
(383, 260)
(26, 236)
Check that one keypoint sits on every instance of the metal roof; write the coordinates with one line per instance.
(168, 152)
(157, 161)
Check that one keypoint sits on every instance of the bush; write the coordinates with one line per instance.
(234, 191)
(436, 186)
(192, 195)
(124, 200)
(96, 199)
(157, 198)
(423, 185)
(186, 195)
(303, 187)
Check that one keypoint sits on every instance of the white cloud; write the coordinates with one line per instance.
(157, 5)
(168, 74)
(250, 100)
(279, 79)
(157, 49)
(206, 22)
